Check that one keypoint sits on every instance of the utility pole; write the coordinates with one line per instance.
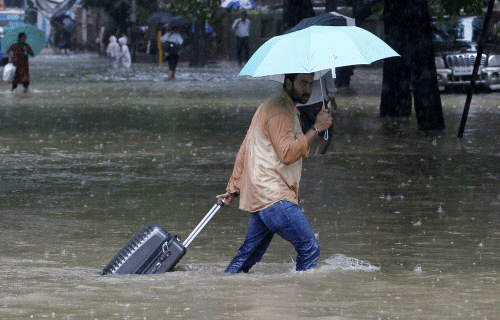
(480, 49)
(133, 19)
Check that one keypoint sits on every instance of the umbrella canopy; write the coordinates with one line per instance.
(69, 24)
(34, 37)
(176, 22)
(166, 19)
(239, 4)
(325, 19)
(160, 17)
(316, 49)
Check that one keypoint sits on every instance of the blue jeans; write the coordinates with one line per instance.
(288, 221)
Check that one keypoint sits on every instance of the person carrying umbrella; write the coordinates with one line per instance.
(19, 59)
(172, 41)
(267, 173)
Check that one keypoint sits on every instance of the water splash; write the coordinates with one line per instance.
(343, 262)
(440, 209)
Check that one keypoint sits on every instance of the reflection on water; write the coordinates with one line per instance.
(407, 221)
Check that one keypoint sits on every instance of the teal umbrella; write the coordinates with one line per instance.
(316, 49)
(34, 37)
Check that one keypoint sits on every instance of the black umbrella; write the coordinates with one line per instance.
(325, 19)
(160, 17)
(69, 24)
(176, 22)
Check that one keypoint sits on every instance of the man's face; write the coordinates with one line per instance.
(300, 90)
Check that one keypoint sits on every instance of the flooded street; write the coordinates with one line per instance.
(408, 222)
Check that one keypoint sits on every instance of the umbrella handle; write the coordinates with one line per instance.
(325, 136)
(332, 65)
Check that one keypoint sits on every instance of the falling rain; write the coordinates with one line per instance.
(408, 221)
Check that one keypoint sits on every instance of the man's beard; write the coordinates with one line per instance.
(298, 98)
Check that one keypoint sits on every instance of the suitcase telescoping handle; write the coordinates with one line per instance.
(202, 224)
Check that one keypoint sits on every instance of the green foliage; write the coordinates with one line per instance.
(441, 8)
(143, 10)
(196, 10)
(108, 5)
(120, 10)
(377, 8)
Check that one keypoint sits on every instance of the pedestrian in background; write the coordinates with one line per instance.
(241, 27)
(19, 59)
(125, 58)
(122, 38)
(113, 52)
(172, 44)
(102, 43)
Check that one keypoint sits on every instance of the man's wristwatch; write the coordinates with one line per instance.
(316, 129)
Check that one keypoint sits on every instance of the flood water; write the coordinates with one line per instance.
(408, 222)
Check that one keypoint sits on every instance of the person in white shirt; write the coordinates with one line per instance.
(172, 36)
(241, 27)
(321, 93)
(125, 58)
(113, 52)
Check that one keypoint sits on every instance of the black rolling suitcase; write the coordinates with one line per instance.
(154, 250)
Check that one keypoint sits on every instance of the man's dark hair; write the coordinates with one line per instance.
(291, 77)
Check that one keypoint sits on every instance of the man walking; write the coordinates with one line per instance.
(241, 27)
(267, 173)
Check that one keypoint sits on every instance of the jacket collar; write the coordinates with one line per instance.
(291, 103)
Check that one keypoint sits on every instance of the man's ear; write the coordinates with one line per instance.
(288, 84)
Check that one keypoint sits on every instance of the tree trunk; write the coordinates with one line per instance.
(296, 10)
(198, 57)
(426, 94)
(408, 31)
(361, 10)
(396, 98)
(331, 5)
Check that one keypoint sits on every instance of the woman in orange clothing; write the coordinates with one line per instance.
(19, 59)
